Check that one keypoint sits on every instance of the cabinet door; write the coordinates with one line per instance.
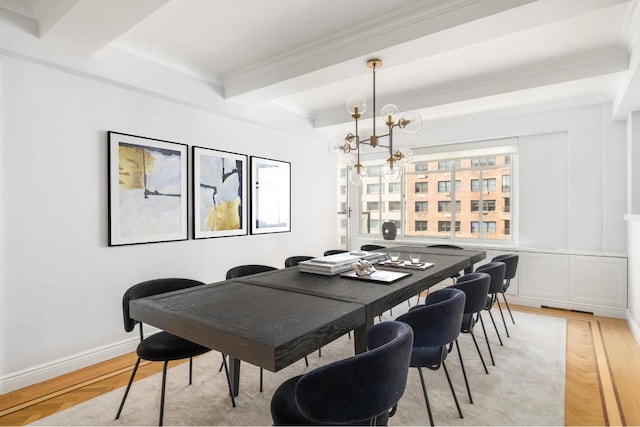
(543, 276)
(598, 280)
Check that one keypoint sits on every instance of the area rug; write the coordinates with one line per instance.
(525, 387)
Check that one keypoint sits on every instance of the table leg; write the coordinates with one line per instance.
(360, 336)
(234, 374)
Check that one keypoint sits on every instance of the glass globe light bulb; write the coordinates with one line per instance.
(356, 101)
(389, 174)
(407, 155)
(389, 110)
(415, 122)
(356, 177)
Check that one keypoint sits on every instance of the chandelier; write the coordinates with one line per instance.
(409, 122)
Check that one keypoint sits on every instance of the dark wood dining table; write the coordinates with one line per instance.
(274, 319)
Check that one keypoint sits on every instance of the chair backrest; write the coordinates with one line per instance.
(246, 270)
(511, 262)
(445, 246)
(334, 251)
(496, 271)
(292, 261)
(438, 321)
(363, 386)
(149, 288)
(476, 288)
(371, 247)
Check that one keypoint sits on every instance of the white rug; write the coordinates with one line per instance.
(526, 387)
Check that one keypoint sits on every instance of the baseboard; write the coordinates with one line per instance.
(618, 313)
(46, 371)
(634, 325)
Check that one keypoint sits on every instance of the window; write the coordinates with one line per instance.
(374, 170)
(394, 187)
(373, 206)
(445, 186)
(421, 226)
(421, 187)
(470, 197)
(343, 189)
(446, 226)
(487, 205)
(422, 206)
(488, 184)
(373, 188)
(445, 206)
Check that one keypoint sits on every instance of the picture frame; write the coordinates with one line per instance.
(219, 193)
(148, 190)
(270, 196)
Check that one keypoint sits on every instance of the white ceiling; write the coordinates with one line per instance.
(443, 58)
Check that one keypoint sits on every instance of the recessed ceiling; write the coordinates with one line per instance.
(441, 57)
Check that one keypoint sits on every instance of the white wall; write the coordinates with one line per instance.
(61, 285)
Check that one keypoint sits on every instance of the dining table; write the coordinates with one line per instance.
(275, 318)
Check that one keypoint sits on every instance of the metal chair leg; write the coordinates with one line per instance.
(495, 327)
(190, 369)
(126, 392)
(226, 372)
(464, 372)
(306, 361)
(504, 297)
(426, 398)
(484, 365)
(486, 339)
(502, 315)
(453, 392)
(164, 384)
(260, 380)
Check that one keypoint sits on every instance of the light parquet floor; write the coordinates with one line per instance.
(602, 377)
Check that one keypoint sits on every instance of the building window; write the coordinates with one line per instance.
(507, 227)
(395, 205)
(394, 187)
(483, 161)
(507, 204)
(374, 170)
(487, 205)
(488, 184)
(373, 188)
(421, 166)
(421, 225)
(372, 206)
(446, 226)
(506, 183)
(487, 227)
(422, 206)
(446, 164)
(445, 206)
(445, 186)
(421, 187)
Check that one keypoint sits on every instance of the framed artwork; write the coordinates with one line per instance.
(219, 193)
(270, 196)
(147, 190)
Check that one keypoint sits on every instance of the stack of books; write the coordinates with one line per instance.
(339, 263)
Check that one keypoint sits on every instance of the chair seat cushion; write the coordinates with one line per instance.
(426, 357)
(165, 346)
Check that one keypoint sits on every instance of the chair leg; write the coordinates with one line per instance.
(260, 380)
(484, 365)
(319, 352)
(164, 384)
(502, 315)
(426, 398)
(226, 371)
(306, 361)
(464, 372)
(222, 363)
(495, 327)
(453, 392)
(486, 338)
(126, 392)
(504, 297)
(190, 369)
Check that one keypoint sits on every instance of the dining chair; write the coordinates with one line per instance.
(476, 288)
(363, 389)
(246, 270)
(371, 247)
(292, 261)
(161, 346)
(511, 262)
(334, 252)
(496, 271)
(436, 325)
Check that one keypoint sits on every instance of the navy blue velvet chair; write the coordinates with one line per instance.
(511, 263)
(360, 390)
(496, 270)
(161, 346)
(292, 261)
(436, 325)
(476, 288)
